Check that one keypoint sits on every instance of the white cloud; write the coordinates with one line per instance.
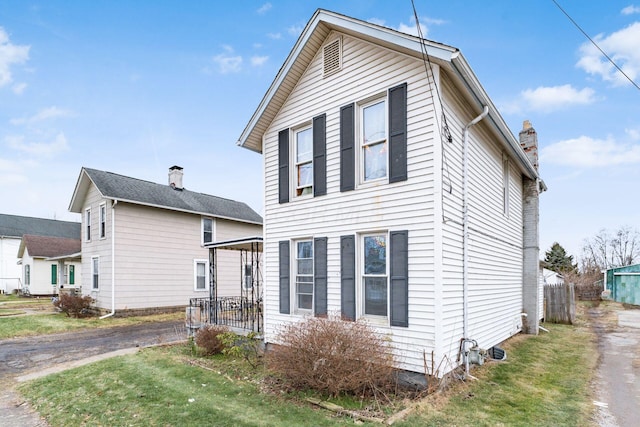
(264, 8)
(589, 152)
(295, 30)
(17, 142)
(413, 29)
(552, 98)
(257, 61)
(630, 10)
(10, 54)
(633, 134)
(228, 62)
(46, 114)
(19, 88)
(622, 46)
(12, 173)
(274, 36)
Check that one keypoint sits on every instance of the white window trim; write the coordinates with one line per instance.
(360, 138)
(95, 258)
(213, 230)
(506, 180)
(102, 210)
(294, 275)
(87, 224)
(206, 275)
(360, 301)
(294, 164)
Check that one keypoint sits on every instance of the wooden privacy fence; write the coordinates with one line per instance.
(560, 304)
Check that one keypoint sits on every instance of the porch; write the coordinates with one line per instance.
(241, 312)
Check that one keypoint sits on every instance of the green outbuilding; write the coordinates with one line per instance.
(624, 284)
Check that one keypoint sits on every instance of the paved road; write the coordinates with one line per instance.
(618, 377)
(32, 355)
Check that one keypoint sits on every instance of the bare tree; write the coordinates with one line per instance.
(606, 250)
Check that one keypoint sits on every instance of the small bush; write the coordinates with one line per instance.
(248, 347)
(74, 305)
(208, 339)
(332, 356)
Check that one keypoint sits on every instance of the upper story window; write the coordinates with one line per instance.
(303, 273)
(303, 160)
(373, 138)
(374, 274)
(207, 230)
(87, 224)
(103, 221)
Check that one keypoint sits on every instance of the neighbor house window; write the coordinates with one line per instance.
(54, 274)
(201, 274)
(303, 161)
(87, 224)
(103, 221)
(303, 273)
(72, 274)
(373, 140)
(505, 185)
(207, 230)
(247, 276)
(27, 274)
(374, 274)
(95, 272)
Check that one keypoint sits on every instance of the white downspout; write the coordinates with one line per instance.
(113, 260)
(465, 237)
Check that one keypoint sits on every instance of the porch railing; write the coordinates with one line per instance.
(235, 312)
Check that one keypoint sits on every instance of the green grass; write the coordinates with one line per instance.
(544, 382)
(41, 324)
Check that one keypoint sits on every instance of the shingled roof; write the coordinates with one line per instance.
(133, 190)
(17, 226)
(47, 246)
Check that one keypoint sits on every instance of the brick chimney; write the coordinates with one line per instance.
(175, 177)
(529, 142)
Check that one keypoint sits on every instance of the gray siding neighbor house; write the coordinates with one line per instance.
(395, 194)
(143, 243)
(12, 228)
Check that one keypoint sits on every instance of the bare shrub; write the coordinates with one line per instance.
(208, 339)
(74, 305)
(332, 356)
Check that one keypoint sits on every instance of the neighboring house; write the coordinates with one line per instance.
(372, 212)
(49, 264)
(143, 242)
(12, 228)
(551, 277)
(623, 284)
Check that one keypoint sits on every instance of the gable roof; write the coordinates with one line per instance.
(313, 36)
(140, 192)
(47, 246)
(17, 226)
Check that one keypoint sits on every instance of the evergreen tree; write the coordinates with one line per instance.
(558, 260)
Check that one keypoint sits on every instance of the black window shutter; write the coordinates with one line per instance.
(399, 248)
(348, 277)
(347, 148)
(398, 133)
(283, 165)
(319, 155)
(320, 276)
(285, 287)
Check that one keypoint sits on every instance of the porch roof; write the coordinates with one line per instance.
(245, 243)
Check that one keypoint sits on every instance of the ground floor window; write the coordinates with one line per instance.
(374, 274)
(27, 274)
(95, 272)
(303, 272)
(201, 270)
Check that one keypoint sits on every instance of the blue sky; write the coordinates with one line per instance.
(136, 87)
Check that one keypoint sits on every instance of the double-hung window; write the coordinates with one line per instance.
(207, 230)
(303, 161)
(27, 274)
(87, 224)
(303, 273)
(95, 273)
(373, 138)
(201, 274)
(374, 274)
(103, 221)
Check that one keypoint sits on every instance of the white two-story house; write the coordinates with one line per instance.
(395, 193)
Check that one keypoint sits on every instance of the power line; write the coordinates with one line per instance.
(596, 45)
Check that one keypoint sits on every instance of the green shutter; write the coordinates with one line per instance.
(72, 274)
(398, 133)
(399, 278)
(320, 276)
(285, 283)
(283, 166)
(347, 148)
(54, 274)
(348, 277)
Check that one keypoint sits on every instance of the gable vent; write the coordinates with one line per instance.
(332, 57)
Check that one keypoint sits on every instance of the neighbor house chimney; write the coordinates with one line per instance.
(529, 142)
(175, 177)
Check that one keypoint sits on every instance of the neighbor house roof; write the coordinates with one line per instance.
(132, 190)
(322, 23)
(17, 226)
(47, 246)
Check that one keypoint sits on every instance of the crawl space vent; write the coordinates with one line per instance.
(332, 57)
